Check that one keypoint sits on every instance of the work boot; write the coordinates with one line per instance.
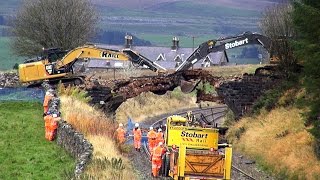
(139, 149)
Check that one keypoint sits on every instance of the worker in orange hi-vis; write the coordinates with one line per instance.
(160, 136)
(47, 122)
(137, 135)
(152, 139)
(120, 134)
(156, 159)
(51, 125)
(46, 100)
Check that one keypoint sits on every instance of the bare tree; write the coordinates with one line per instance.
(52, 23)
(277, 24)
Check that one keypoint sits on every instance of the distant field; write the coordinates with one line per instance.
(25, 154)
(180, 17)
(7, 59)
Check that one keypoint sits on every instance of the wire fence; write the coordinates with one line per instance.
(22, 94)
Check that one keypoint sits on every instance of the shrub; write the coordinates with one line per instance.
(75, 92)
(239, 132)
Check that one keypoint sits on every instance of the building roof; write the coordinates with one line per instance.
(168, 58)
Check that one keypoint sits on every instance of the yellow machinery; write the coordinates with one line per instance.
(194, 152)
(58, 65)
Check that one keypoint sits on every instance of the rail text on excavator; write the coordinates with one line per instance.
(105, 54)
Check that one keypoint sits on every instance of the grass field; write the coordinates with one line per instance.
(7, 59)
(24, 152)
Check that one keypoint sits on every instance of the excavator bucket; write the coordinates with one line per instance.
(188, 86)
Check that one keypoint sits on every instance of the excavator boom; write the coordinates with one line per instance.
(223, 44)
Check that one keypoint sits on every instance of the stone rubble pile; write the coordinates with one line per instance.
(9, 79)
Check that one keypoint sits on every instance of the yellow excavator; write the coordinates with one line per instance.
(58, 65)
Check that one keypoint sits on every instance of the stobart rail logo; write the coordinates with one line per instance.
(236, 43)
(105, 54)
(193, 135)
(200, 138)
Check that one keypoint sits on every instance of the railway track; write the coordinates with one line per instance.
(209, 115)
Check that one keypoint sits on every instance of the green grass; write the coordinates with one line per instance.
(24, 152)
(7, 58)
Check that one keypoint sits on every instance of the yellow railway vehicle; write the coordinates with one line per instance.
(194, 152)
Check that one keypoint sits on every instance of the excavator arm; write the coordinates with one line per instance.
(141, 60)
(53, 67)
(102, 53)
(221, 45)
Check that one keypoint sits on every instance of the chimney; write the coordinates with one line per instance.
(128, 41)
(175, 43)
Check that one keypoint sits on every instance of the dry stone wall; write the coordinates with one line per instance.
(76, 144)
(240, 94)
(67, 137)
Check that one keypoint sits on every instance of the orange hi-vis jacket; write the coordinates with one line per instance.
(152, 135)
(121, 135)
(51, 125)
(152, 139)
(157, 153)
(160, 137)
(137, 135)
(46, 103)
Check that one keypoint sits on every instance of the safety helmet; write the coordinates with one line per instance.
(160, 143)
(120, 125)
(159, 130)
(151, 128)
(136, 125)
(189, 113)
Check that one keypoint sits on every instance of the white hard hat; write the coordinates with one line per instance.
(151, 128)
(159, 130)
(136, 125)
(47, 93)
(54, 115)
(120, 125)
(160, 143)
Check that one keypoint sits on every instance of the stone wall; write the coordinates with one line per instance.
(72, 141)
(75, 143)
(241, 93)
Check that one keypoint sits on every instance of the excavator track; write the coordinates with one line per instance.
(72, 81)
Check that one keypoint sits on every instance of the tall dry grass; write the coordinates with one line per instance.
(99, 130)
(280, 141)
(85, 118)
(148, 105)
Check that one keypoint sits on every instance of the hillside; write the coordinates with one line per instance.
(184, 18)
(142, 4)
